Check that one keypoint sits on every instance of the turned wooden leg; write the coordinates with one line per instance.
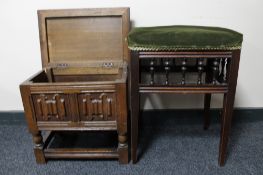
(228, 104)
(39, 148)
(122, 124)
(134, 103)
(32, 125)
(123, 149)
(207, 102)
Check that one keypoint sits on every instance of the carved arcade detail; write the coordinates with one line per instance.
(97, 106)
(49, 107)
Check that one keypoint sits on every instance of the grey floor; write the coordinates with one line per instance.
(171, 142)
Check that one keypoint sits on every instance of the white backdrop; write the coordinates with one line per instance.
(20, 50)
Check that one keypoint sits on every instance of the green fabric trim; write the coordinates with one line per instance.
(184, 38)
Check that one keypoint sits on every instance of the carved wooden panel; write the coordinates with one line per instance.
(97, 106)
(50, 107)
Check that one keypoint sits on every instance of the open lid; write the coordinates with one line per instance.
(84, 37)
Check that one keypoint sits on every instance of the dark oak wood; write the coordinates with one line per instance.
(134, 103)
(183, 89)
(82, 86)
(209, 64)
(207, 101)
(228, 104)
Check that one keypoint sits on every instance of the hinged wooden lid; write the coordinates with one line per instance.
(84, 37)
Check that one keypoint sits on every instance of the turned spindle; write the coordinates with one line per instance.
(200, 68)
(227, 69)
(215, 70)
(167, 70)
(183, 68)
(122, 140)
(152, 71)
(222, 75)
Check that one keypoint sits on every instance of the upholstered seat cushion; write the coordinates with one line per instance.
(184, 38)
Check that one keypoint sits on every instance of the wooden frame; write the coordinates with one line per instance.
(78, 102)
(227, 89)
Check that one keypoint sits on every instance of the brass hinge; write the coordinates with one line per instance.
(62, 65)
(107, 65)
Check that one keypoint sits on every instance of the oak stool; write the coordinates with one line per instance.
(184, 60)
(82, 86)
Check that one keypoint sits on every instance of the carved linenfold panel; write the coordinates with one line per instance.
(109, 107)
(38, 108)
(50, 107)
(97, 106)
(61, 107)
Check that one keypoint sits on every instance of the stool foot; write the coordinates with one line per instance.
(134, 138)
(39, 148)
(134, 156)
(123, 149)
(225, 126)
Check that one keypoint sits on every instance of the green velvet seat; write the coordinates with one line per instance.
(183, 38)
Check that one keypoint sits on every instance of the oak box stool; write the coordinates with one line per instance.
(184, 60)
(82, 86)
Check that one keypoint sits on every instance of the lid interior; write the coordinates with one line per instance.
(82, 39)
